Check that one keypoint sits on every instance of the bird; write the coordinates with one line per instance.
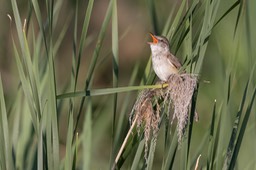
(163, 61)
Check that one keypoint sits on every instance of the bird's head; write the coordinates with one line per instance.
(159, 43)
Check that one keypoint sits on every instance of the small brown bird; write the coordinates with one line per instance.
(164, 63)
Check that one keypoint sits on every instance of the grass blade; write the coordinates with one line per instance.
(5, 147)
(242, 131)
(211, 139)
(83, 36)
(87, 137)
(176, 20)
(137, 157)
(115, 71)
(171, 154)
(121, 122)
(98, 45)
(153, 16)
(69, 152)
(106, 91)
(244, 123)
(227, 12)
(95, 56)
(151, 154)
(232, 140)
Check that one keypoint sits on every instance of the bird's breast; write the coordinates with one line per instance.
(163, 67)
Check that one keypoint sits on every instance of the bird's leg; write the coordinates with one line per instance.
(162, 85)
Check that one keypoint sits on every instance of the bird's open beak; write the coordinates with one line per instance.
(155, 40)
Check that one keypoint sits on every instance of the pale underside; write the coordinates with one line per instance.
(164, 65)
(163, 69)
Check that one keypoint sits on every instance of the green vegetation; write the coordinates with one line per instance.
(80, 119)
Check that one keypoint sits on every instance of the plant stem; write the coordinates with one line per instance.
(124, 143)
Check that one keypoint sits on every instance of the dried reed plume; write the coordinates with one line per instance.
(177, 95)
(146, 115)
(179, 92)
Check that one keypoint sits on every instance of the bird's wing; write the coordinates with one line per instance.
(174, 61)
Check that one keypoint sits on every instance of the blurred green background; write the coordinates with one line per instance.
(230, 52)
